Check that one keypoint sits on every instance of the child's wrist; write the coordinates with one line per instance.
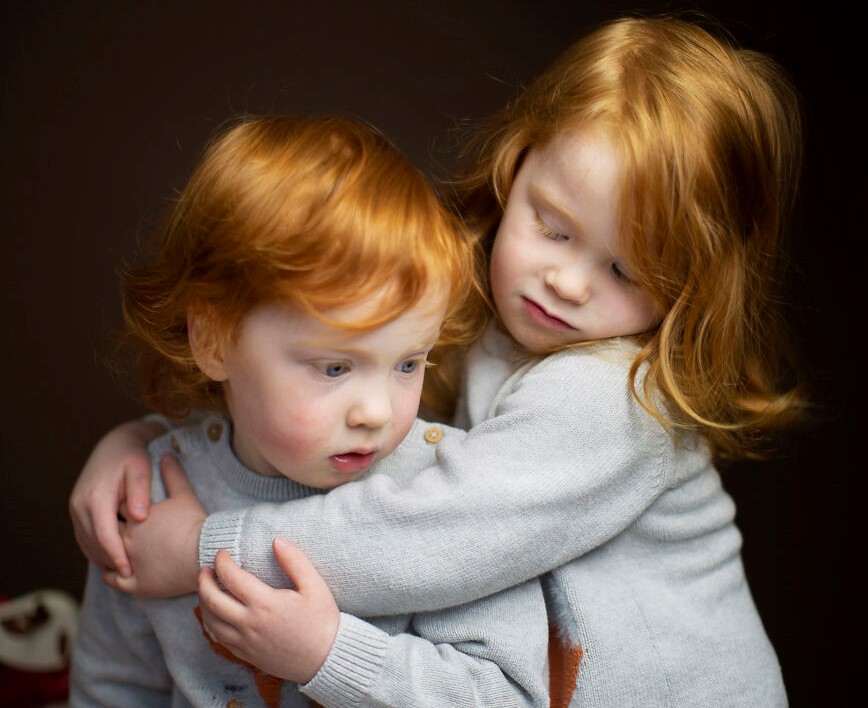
(191, 566)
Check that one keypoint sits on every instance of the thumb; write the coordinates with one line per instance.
(174, 477)
(297, 567)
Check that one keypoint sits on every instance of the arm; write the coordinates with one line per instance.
(117, 660)
(569, 461)
(164, 548)
(116, 475)
(489, 653)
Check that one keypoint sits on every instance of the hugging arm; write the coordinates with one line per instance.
(568, 462)
(116, 479)
(488, 653)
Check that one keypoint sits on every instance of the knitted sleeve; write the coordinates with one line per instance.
(567, 460)
(487, 653)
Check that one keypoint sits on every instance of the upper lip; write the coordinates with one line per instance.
(547, 312)
(370, 451)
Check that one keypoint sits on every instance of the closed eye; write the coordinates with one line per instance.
(549, 232)
(622, 276)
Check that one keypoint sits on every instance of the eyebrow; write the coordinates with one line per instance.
(351, 351)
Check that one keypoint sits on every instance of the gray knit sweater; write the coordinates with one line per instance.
(564, 475)
(143, 652)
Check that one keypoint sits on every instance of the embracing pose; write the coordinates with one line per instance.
(305, 273)
(631, 205)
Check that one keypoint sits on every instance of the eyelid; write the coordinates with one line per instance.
(625, 277)
(548, 231)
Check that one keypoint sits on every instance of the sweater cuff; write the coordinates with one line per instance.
(161, 419)
(355, 659)
(220, 530)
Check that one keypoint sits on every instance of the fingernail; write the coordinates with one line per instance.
(281, 541)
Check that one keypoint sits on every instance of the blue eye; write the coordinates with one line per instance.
(333, 369)
(409, 366)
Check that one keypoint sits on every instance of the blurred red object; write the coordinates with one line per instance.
(36, 635)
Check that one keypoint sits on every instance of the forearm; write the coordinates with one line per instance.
(491, 653)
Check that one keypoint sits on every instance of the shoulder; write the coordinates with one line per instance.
(206, 441)
(418, 449)
(583, 378)
(191, 439)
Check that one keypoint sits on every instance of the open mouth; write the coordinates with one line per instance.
(538, 314)
(352, 462)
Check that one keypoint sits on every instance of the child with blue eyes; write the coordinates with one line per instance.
(632, 205)
(305, 274)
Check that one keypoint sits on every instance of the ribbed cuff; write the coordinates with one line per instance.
(220, 530)
(157, 418)
(355, 659)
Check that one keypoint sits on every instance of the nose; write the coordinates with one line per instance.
(570, 283)
(372, 408)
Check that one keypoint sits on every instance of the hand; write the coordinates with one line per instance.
(117, 473)
(286, 633)
(164, 549)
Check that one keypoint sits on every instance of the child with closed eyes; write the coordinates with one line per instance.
(305, 274)
(632, 203)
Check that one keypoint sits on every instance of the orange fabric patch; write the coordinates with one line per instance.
(267, 686)
(563, 669)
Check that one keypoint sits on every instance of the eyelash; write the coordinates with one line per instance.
(549, 232)
(621, 276)
(556, 236)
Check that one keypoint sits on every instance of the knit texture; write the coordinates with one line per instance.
(140, 652)
(562, 475)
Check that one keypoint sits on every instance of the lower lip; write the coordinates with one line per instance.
(539, 315)
(351, 462)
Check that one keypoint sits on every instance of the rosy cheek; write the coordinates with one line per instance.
(298, 429)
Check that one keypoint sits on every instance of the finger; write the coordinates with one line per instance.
(243, 585)
(297, 567)
(215, 603)
(119, 582)
(137, 483)
(220, 631)
(174, 477)
(86, 534)
(91, 551)
(107, 532)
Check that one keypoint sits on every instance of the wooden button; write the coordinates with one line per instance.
(215, 430)
(433, 434)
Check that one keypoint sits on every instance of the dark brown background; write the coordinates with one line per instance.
(106, 105)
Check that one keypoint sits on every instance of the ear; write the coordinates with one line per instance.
(207, 342)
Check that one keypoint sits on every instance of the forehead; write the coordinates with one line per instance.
(428, 310)
(345, 326)
(578, 169)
